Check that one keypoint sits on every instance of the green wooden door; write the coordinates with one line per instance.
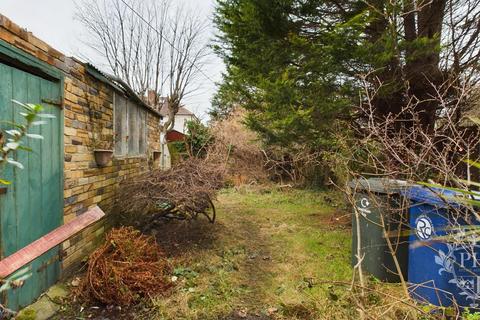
(33, 203)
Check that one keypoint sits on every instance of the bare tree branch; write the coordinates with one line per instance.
(152, 45)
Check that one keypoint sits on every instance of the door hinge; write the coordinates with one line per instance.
(58, 103)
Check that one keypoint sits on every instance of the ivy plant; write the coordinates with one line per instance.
(11, 139)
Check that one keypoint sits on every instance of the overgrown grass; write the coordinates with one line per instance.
(276, 253)
(272, 254)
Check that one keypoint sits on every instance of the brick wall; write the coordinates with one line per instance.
(88, 118)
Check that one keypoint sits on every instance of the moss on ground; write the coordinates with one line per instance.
(26, 314)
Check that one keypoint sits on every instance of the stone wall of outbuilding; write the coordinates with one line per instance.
(88, 119)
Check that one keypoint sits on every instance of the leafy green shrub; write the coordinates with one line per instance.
(173, 149)
(197, 140)
(11, 139)
(470, 316)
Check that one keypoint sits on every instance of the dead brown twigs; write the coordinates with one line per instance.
(183, 192)
(128, 267)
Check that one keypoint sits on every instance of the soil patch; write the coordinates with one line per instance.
(236, 316)
(77, 311)
(340, 219)
(179, 238)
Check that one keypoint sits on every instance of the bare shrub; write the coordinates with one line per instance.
(248, 160)
(387, 148)
(239, 148)
(184, 191)
(301, 166)
(438, 155)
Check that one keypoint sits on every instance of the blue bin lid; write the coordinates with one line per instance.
(438, 197)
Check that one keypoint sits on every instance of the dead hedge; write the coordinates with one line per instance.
(240, 148)
(183, 192)
(128, 267)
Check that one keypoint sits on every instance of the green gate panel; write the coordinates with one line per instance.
(33, 204)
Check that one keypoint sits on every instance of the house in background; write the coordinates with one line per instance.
(161, 105)
(181, 118)
(179, 130)
(62, 180)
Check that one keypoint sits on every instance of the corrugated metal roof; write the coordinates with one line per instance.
(118, 85)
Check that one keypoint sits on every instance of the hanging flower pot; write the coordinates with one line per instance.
(102, 156)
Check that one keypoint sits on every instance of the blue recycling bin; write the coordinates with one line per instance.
(444, 255)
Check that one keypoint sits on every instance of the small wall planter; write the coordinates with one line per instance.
(102, 156)
(156, 155)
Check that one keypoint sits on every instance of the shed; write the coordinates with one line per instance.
(62, 180)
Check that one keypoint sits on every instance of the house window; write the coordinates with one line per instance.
(130, 127)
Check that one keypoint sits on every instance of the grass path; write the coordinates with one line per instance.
(270, 256)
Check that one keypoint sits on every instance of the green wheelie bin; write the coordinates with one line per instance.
(381, 213)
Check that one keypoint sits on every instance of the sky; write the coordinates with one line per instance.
(53, 22)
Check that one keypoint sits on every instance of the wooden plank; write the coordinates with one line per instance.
(55, 188)
(7, 202)
(27, 254)
(25, 230)
(22, 190)
(121, 125)
(136, 141)
(34, 225)
(143, 131)
(132, 128)
(117, 125)
(34, 174)
(58, 103)
(8, 225)
(125, 128)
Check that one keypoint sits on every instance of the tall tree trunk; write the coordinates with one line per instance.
(390, 98)
(422, 66)
(417, 78)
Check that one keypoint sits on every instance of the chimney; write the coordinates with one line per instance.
(151, 98)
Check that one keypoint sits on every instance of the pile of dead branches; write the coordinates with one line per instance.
(182, 192)
(128, 267)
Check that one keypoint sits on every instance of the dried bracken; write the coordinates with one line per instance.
(128, 267)
(184, 191)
